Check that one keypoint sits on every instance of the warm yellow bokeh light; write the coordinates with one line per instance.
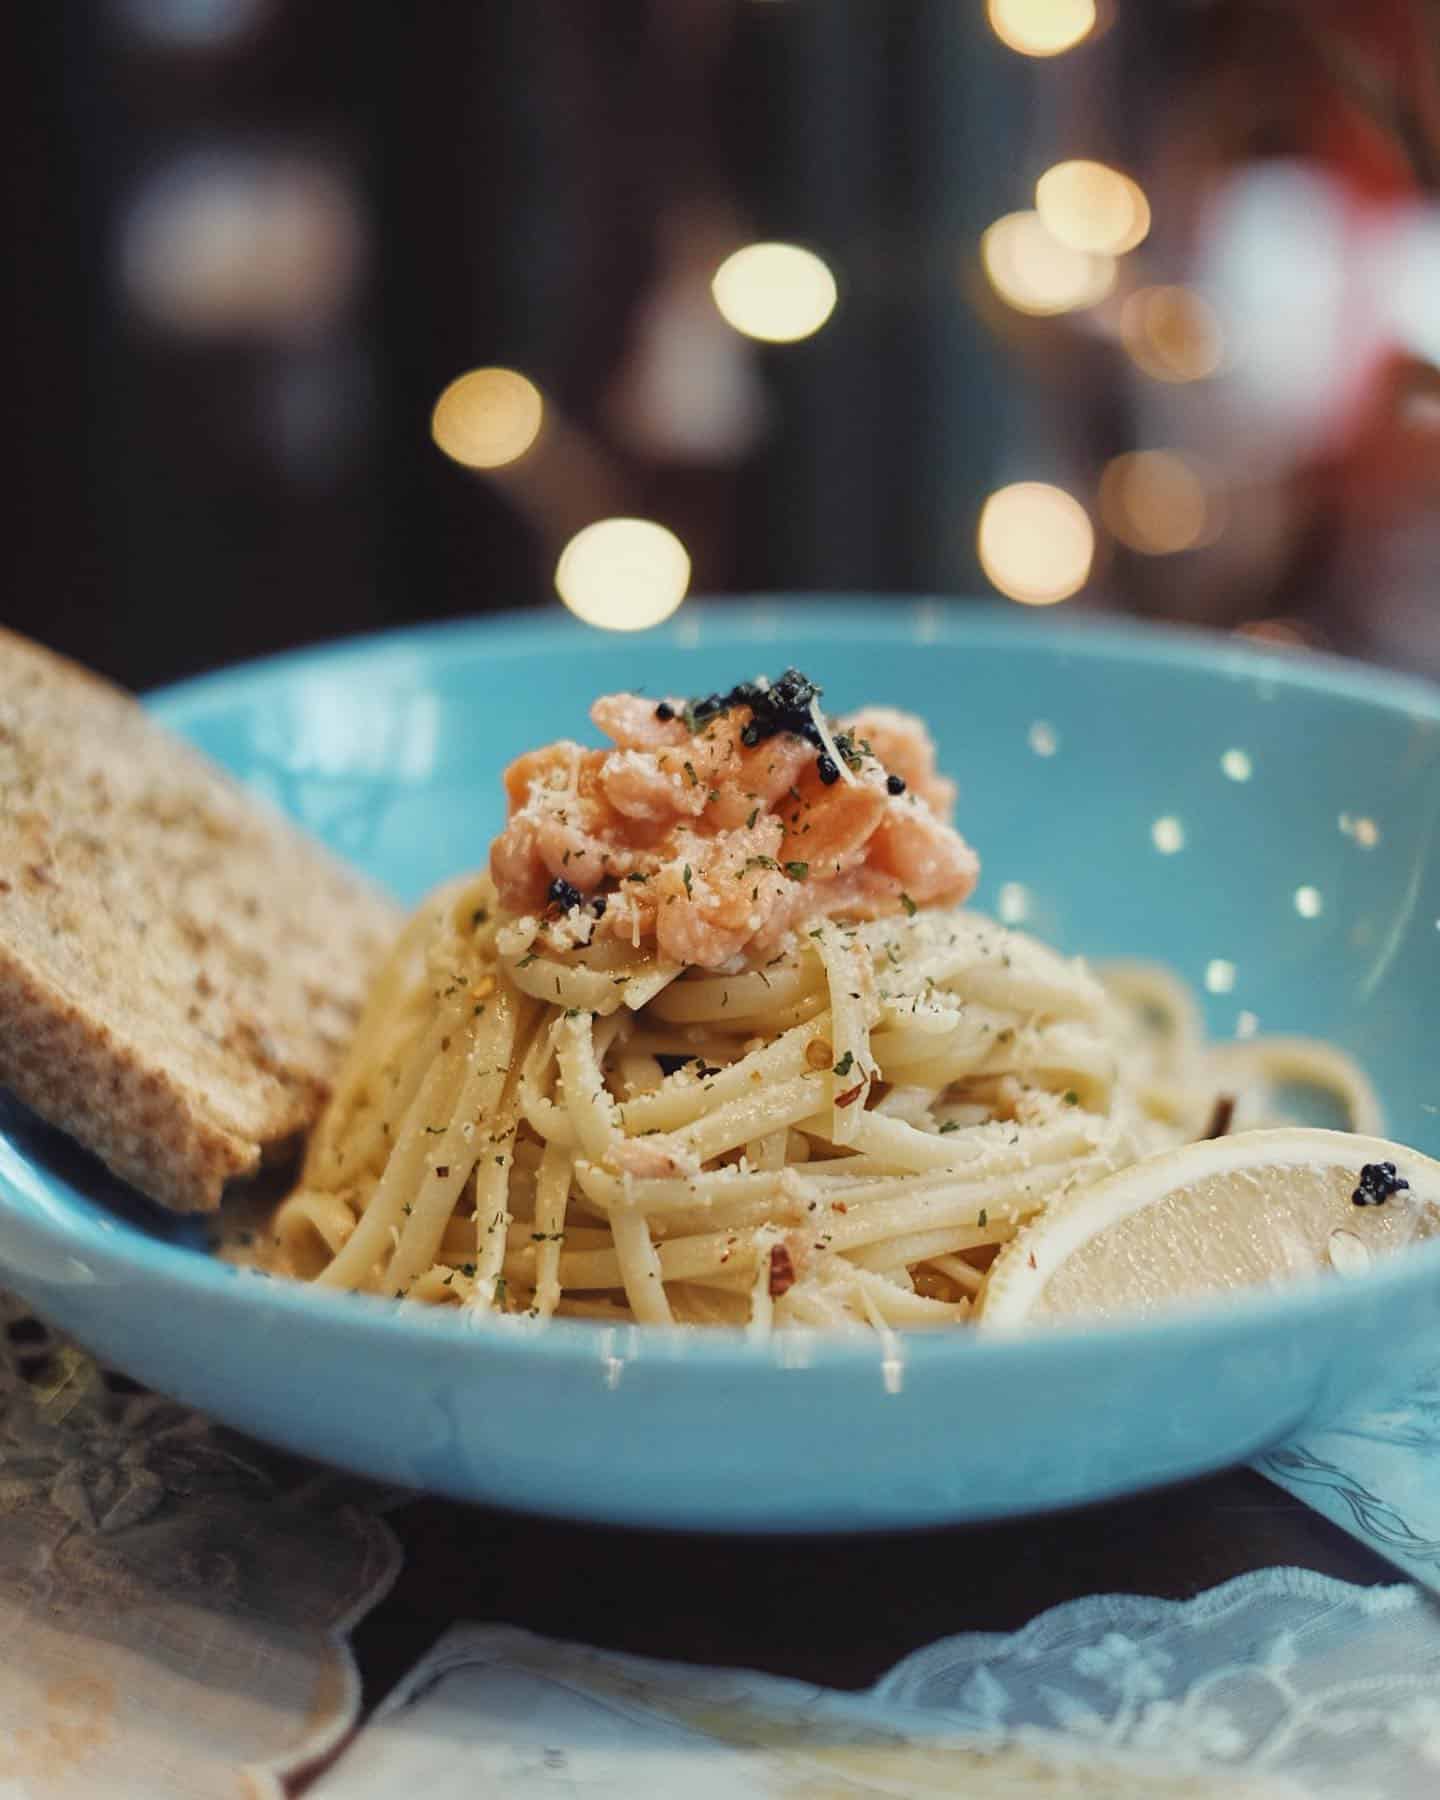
(1156, 502)
(779, 293)
(1038, 274)
(1042, 27)
(623, 574)
(487, 418)
(1036, 543)
(1172, 334)
(1092, 207)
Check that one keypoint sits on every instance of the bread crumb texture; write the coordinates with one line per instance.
(180, 968)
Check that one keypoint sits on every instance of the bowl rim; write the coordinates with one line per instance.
(76, 1226)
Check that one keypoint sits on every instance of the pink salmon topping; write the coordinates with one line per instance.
(714, 849)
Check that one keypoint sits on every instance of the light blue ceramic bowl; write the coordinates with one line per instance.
(1130, 792)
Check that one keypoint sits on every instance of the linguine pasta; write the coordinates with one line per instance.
(838, 1134)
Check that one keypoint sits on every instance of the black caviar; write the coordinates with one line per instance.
(563, 893)
(784, 705)
(1378, 1183)
(775, 706)
(894, 784)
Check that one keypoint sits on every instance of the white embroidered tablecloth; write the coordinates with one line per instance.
(1281, 1685)
(174, 1601)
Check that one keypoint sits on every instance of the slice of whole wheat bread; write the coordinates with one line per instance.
(180, 967)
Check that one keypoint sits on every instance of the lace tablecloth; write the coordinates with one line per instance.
(177, 1602)
(174, 1602)
(1278, 1686)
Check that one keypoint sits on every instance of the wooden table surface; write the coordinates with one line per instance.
(836, 1610)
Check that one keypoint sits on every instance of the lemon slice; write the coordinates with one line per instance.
(1258, 1208)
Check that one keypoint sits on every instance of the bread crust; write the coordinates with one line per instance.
(180, 967)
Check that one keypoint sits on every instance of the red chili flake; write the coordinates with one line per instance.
(782, 1271)
(851, 1095)
(839, 1206)
(1031, 1260)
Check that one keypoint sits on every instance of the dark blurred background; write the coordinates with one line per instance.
(325, 317)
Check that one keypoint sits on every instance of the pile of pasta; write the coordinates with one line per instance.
(842, 1137)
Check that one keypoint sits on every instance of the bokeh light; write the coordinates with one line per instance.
(1407, 278)
(1156, 502)
(1091, 206)
(1036, 543)
(228, 241)
(778, 293)
(1041, 27)
(1172, 333)
(1035, 273)
(1168, 835)
(623, 574)
(487, 418)
(192, 24)
(1281, 260)
(1309, 902)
